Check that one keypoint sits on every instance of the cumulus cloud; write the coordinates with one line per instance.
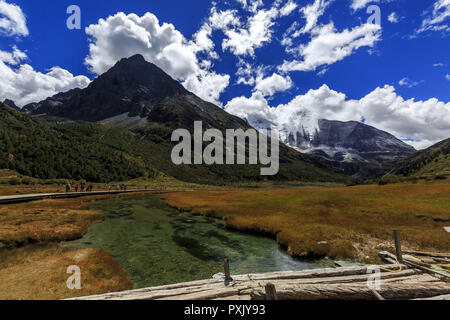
(14, 57)
(425, 122)
(360, 4)
(437, 20)
(275, 83)
(447, 76)
(122, 35)
(12, 20)
(243, 40)
(24, 85)
(19, 81)
(329, 46)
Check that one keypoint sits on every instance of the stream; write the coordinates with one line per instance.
(158, 245)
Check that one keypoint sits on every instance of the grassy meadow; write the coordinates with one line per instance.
(310, 221)
(33, 257)
(342, 222)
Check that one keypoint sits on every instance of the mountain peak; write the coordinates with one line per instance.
(132, 86)
(137, 58)
(11, 104)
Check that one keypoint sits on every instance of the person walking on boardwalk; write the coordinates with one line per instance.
(83, 186)
(67, 187)
(76, 188)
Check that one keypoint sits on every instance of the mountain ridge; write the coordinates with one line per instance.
(356, 148)
(431, 162)
(151, 115)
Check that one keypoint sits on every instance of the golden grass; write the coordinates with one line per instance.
(33, 260)
(45, 221)
(32, 273)
(345, 222)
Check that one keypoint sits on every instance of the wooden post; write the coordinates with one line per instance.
(226, 265)
(271, 292)
(398, 247)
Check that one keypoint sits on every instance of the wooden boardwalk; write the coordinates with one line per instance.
(41, 196)
(317, 284)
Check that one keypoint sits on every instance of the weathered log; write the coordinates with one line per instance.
(443, 297)
(355, 291)
(429, 254)
(417, 266)
(307, 284)
(377, 295)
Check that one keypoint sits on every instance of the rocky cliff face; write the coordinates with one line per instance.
(353, 147)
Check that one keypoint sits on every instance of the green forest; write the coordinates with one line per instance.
(65, 151)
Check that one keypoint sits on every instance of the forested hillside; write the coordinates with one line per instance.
(69, 151)
(432, 162)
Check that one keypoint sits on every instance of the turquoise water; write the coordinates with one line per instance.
(158, 245)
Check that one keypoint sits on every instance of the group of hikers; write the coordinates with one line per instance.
(82, 187)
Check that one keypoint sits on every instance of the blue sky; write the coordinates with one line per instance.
(242, 65)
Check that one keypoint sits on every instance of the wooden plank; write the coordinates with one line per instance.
(443, 297)
(42, 196)
(355, 291)
(417, 266)
(429, 254)
(377, 295)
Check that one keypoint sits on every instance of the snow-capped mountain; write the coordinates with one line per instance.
(354, 147)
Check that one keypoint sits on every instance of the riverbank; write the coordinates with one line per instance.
(158, 245)
(34, 258)
(142, 242)
(344, 223)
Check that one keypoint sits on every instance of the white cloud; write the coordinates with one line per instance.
(447, 76)
(393, 18)
(218, 20)
(251, 5)
(24, 85)
(406, 82)
(19, 81)
(12, 20)
(426, 122)
(328, 46)
(438, 17)
(258, 31)
(275, 83)
(438, 65)
(122, 35)
(288, 8)
(14, 57)
(313, 12)
(360, 4)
